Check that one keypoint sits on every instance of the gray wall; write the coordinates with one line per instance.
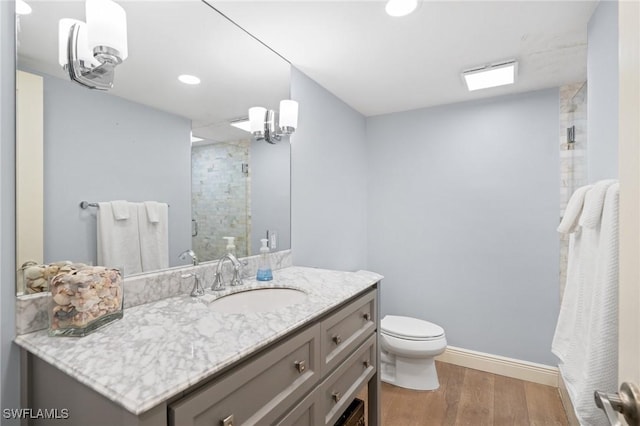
(9, 353)
(328, 180)
(270, 192)
(99, 147)
(602, 113)
(463, 210)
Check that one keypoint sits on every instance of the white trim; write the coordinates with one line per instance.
(510, 367)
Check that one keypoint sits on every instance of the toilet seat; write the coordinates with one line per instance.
(410, 328)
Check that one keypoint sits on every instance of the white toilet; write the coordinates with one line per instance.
(409, 346)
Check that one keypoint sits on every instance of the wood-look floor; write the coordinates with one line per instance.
(475, 398)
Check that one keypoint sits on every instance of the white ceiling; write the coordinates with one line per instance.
(379, 64)
(166, 39)
(375, 63)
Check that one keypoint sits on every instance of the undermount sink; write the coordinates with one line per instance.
(258, 300)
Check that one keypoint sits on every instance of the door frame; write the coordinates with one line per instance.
(629, 169)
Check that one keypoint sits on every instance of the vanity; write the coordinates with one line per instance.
(175, 359)
(182, 361)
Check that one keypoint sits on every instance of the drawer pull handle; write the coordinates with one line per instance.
(337, 339)
(366, 364)
(366, 316)
(300, 366)
(336, 396)
(228, 421)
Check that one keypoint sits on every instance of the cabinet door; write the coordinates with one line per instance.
(306, 413)
(346, 329)
(259, 392)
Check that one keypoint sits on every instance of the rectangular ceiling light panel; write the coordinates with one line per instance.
(491, 76)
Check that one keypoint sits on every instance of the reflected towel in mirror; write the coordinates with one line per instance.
(153, 220)
(118, 240)
(153, 211)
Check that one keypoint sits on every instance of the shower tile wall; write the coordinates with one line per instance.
(220, 198)
(573, 157)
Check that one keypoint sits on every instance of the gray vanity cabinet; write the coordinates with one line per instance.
(306, 413)
(340, 356)
(346, 329)
(307, 378)
(259, 392)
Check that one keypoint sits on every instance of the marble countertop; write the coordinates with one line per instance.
(162, 348)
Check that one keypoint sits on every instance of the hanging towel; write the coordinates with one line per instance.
(586, 335)
(570, 306)
(118, 240)
(153, 211)
(120, 209)
(594, 203)
(574, 209)
(153, 224)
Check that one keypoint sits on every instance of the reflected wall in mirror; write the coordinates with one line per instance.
(134, 142)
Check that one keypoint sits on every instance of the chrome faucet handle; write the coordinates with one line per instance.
(197, 290)
(237, 271)
(237, 274)
(217, 282)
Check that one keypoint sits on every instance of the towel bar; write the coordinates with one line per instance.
(86, 204)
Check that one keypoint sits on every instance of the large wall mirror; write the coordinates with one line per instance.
(151, 137)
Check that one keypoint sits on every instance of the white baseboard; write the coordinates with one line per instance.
(510, 367)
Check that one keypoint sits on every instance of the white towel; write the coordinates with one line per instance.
(118, 240)
(594, 203)
(572, 213)
(586, 335)
(153, 211)
(154, 236)
(120, 209)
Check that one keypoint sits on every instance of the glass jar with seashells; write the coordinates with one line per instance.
(84, 300)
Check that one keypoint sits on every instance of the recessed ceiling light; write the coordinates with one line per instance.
(189, 79)
(243, 124)
(401, 7)
(493, 75)
(22, 8)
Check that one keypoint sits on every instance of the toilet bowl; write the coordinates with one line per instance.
(408, 349)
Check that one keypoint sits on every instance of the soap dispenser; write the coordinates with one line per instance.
(231, 245)
(264, 267)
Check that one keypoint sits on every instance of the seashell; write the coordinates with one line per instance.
(87, 292)
(40, 282)
(64, 315)
(104, 292)
(62, 298)
(34, 272)
(82, 305)
(66, 269)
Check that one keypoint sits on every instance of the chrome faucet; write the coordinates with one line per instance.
(191, 254)
(218, 283)
(197, 290)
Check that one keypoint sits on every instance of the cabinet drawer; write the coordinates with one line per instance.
(339, 389)
(347, 329)
(306, 413)
(259, 392)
